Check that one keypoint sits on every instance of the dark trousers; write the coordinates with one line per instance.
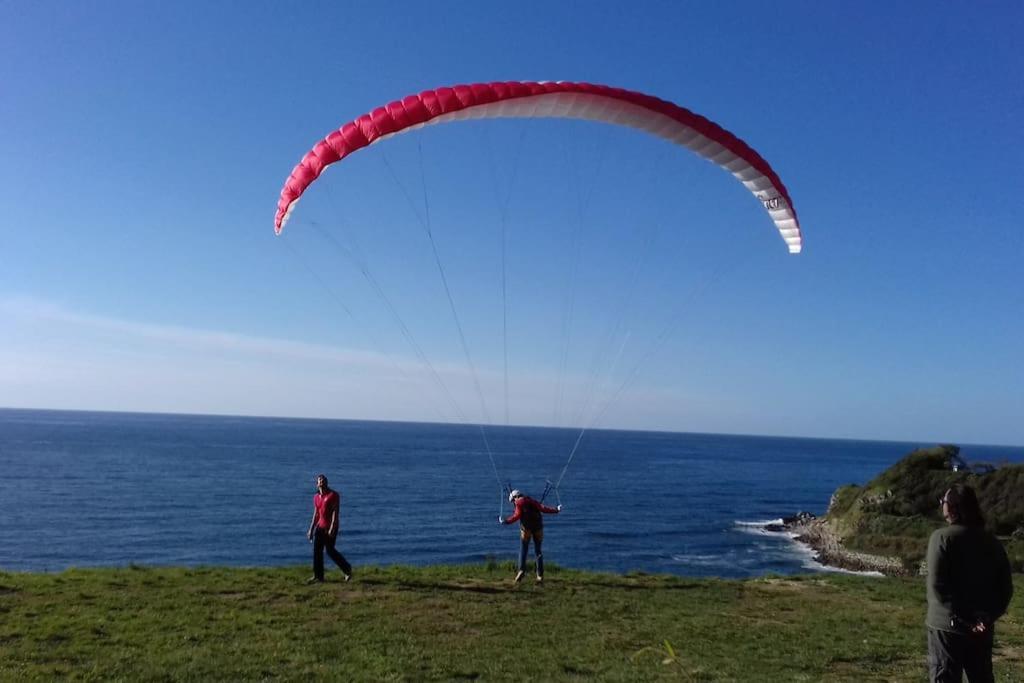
(524, 547)
(321, 542)
(950, 655)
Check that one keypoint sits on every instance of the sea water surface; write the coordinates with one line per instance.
(110, 489)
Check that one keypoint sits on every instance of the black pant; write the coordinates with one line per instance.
(321, 542)
(952, 654)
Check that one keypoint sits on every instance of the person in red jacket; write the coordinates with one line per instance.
(323, 530)
(530, 515)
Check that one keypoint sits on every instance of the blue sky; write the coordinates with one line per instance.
(142, 149)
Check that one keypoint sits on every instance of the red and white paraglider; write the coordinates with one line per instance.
(552, 100)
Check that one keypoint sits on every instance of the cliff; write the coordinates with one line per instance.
(884, 525)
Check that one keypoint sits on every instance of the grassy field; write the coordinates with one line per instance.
(467, 622)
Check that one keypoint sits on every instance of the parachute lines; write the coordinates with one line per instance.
(425, 223)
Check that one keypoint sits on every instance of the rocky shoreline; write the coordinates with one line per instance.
(828, 547)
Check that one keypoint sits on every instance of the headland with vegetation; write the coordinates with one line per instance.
(885, 524)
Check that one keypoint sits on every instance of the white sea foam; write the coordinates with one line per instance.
(759, 523)
(808, 556)
(759, 528)
(702, 560)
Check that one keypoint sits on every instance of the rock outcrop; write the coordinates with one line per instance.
(829, 550)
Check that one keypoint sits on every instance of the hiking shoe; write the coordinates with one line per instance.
(348, 577)
(311, 580)
(540, 579)
(519, 576)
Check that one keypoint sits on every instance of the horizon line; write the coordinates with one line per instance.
(472, 425)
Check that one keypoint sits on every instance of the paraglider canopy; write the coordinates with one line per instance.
(552, 100)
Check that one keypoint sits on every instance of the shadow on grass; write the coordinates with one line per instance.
(623, 585)
(405, 584)
(577, 671)
(506, 585)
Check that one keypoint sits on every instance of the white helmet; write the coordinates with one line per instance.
(516, 493)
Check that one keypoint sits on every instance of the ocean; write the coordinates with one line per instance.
(82, 489)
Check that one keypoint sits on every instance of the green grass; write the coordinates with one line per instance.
(464, 623)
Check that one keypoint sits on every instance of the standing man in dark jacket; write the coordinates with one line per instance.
(530, 515)
(969, 587)
(323, 530)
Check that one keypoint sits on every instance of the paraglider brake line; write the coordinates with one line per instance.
(550, 486)
(504, 492)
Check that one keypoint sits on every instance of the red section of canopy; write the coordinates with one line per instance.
(419, 109)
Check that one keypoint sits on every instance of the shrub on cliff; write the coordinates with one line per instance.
(1001, 495)
(894, 513)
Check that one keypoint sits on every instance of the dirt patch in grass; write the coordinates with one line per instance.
(868, 670)
(488, 588)
(1008, 654)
